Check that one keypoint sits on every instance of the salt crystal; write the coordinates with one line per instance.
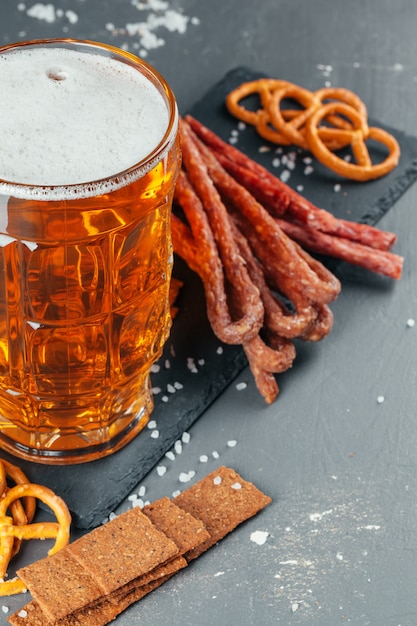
(232, 443)
(380, 399)
(217, 480)
(241, 125)
(155, 368)
(170, 455)
(259, 537)
(219, 350)
(339, 556)
(300, 188)
(151, 424)
(178, 447)
(5, 609)
(294, 606)
(155, 434)
(176, 493)
(236, 486)
(132, 497)
(203, 458)
(276, 162)
(308, 170)
(185, 477)
(171, 388)
(156, 391)
(142, 491)
(167, 364)
(337, 187)
(161, 470)
(285, 175)
(164, 399)
(186, 437)
(23, 613)
(411, 323)
(178, 386)
(215, 454)
(201, 362)
(241, 386)
(232, 140)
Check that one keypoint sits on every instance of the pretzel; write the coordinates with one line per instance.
(342, 110)
(363, 169)
(10, 531)
(262, 87)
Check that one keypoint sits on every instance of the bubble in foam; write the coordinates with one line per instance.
(71, 117)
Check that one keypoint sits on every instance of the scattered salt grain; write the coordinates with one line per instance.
(151, 424)
(156, 391)
(203, 458)
(201, 362)
(185, 437)
(411, 323)
(300, 188)
(164, 399)
(307, 160)
(23, 613)
(276, 162)
(337, 187)
(132, 497)
(155, 434)
(241, 386)
(219, 574)
(191, 365)
(178, 386)
(380, 399)
(185, 477)
(176, 493)
(236, 486)
(241, 125)
(219, 350)
(139, 504)
(167, 364)
(112, 516)
(171, 388)
(234, 132)
(294, 607)
(170, 455)
(231, 443)
(259, 537)
(308, 170)
(178, 447)
(5, 609)
(217, 480)
(285, 175)
(215, 454)
(339, 556)
(141, 491)
(233, 140)
(161, 470)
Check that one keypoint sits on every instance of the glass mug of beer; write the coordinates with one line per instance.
(89, 155)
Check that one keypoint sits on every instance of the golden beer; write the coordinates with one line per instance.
(85, 260)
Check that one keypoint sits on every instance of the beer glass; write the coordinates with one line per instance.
(88, 163)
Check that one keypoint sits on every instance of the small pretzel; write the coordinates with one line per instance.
(10, 531)
(262, 87)
(291, 129)
(363, 169)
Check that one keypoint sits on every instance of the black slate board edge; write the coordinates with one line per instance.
(94, 490)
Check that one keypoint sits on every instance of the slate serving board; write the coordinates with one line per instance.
(195, 368)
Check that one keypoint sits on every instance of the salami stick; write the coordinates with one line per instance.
(286, 252)
(380, 261)
(280, 197)
(234, 267)
(278, 319)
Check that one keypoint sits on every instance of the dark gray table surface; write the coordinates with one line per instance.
(339, 464)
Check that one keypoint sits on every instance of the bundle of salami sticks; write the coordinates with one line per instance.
(248, 235)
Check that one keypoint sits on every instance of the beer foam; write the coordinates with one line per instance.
(70, 118)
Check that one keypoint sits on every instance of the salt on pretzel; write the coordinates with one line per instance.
(362, 169)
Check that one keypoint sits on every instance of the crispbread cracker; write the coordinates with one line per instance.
(186, 531)
(222, 500)
(59, 584)
(123, 549)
